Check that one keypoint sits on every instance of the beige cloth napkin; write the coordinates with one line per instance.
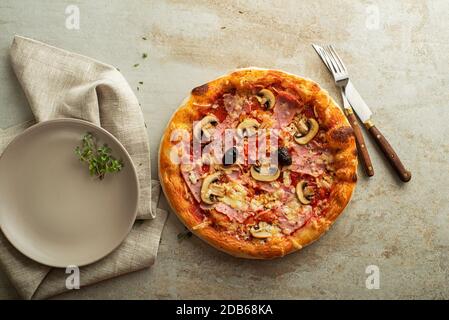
(61, 84)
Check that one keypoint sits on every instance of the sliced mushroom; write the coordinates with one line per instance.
(265, 172)
(303, 192)
(248, 126)
(266, 98)
(303, 136)
(204, 127)
(210, 191)
(262, 230)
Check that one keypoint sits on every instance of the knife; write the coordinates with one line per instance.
(364, 113)
(360, 141)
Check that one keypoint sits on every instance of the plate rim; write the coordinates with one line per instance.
(33, 127)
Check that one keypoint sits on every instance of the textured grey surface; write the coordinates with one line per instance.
(399, 67)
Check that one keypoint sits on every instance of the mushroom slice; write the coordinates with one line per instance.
(266, 98)
(304, 136)
(265, 172)
(210, 191)
(248, 126)
(303, 192)
(262, 231)
(204, 127)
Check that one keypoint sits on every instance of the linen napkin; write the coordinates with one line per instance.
(61, 84)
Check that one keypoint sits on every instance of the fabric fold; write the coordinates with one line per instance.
(61, 84)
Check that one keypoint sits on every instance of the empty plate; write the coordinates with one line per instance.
(51, 209)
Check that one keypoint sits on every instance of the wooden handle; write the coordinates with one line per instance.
(389, 152)
(360, 141)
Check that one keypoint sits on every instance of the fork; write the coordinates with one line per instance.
(341, 78)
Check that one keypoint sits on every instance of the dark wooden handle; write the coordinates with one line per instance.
(388, 151)
(360, 141)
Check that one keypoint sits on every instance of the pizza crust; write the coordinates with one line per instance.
(339, 136)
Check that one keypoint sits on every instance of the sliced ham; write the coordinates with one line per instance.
(288, 226)
(234, 104)
(195, 188)
(288, 194)
(234, 176)
(205, 206)
(230, 212)
(266, 186)
(285, 109)
(308, 161)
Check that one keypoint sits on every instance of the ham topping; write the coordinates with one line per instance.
(292, 218)
(230, 212)
(285, 109)
(234, 104)
(308, 161)
(191, 175)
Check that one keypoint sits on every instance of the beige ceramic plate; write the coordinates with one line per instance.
(51, 209)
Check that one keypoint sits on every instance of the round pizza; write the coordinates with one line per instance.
(258, 163)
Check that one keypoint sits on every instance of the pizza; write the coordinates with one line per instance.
(258, 163)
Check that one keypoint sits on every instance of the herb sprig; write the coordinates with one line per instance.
(99, 159)
(184, 235)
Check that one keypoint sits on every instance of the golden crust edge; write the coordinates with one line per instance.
(311, 232)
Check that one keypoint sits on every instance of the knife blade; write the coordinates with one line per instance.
(365, 114)
(357, 103)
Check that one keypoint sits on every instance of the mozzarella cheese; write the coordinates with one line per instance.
(235, 196)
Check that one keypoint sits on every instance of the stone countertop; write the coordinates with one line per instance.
(396, 52)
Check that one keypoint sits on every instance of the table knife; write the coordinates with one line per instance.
(364, 113)
(360, 141)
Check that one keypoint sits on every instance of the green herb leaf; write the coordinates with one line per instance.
(99, 159)
(184, 235)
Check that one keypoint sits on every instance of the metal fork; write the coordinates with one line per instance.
(341, 77)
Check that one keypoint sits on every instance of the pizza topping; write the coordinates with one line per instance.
(265, 172)
(210, 190)
(304, 192)
(234, 104)
(307, 130)
(325, 182)
(204, 129)
(263, 230)
(294, 217)
(266, 99)
(285, 109)
(230, 156)
(252, 200)
(308, 161)
(191, 176)
(284, 157)
(201, 225)
(235, 196)
(248, 127)
(231, 213)
(287, 178)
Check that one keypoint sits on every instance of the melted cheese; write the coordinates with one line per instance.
(235, 196)
(291, 210)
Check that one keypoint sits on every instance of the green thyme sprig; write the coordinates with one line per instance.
(99, 159)
(184, 235)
